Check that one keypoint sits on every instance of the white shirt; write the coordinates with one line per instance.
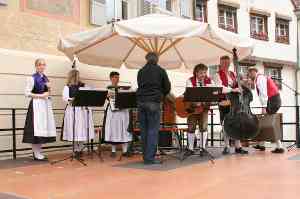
(261, 86)
(218, 81)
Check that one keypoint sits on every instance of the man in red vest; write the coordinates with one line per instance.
(199, 79)
(270, 100)
(227, 79)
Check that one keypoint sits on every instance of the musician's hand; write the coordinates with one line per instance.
(236, 90)
(263, 110)
(109, 95)
(215, 93)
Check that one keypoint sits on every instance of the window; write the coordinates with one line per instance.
(100, 12)
(185, 8)
(274, 72)
(169, 5)
(282, 31)
(200, 11)
(124, 10)
(227, 18)
(146, 7)
(259, 27)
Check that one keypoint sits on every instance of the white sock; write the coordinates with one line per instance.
(113, 148)
(124, 147)
(37, 150)
(201, 142)
(278, 144)
(237, 144)
(262, 143)
(191, 140)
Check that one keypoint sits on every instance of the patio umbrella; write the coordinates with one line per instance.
(176, 40)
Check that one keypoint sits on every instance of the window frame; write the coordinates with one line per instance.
(124, 2)
(233, 10)
(205, 11)
(264, 36)
(281, 38)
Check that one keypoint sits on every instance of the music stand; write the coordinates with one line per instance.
(202, 94)
(125, 99)
(85, 98)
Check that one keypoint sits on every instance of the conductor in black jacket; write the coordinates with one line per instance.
(153, 85)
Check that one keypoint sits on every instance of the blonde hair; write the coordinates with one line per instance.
(73, 78)
(39, 61)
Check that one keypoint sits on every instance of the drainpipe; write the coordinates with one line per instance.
(297, 13)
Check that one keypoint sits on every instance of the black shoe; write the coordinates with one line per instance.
(240, 151)
(258, 147)
(38, 159)
(226, 151)
(189, 152)
(278, 150)
(152, 162)
(113, 154)
(77, 155)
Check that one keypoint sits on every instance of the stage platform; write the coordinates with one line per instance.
(259, 175)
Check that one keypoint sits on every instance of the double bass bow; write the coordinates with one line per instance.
(240, 123)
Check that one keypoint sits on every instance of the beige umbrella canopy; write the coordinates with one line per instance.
(176, 40)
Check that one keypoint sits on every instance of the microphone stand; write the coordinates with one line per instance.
(296, 93)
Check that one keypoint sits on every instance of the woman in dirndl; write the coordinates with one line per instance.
(84, 125)
(39, 125)
(116, 121)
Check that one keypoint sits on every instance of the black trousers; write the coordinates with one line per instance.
(274, 103)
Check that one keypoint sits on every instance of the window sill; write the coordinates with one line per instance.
(283, 41)
(260, 38)
(228, 29)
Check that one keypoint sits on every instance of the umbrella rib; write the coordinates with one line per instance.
(179, 55)
(142, 45)
(129, 52)
(95, 43)
(162, 45)
(217, 45)
(170, 46)
(151, 44)
(145, 43)
(138, 44)
(156, 44)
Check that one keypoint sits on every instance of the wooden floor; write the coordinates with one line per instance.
(261, 175)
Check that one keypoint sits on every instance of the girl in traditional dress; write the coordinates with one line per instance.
(39, 125)
(82, 122)
(116, 121)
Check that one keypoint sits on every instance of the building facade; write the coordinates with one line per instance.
(30, 29)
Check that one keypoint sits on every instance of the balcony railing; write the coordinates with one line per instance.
(11, 133)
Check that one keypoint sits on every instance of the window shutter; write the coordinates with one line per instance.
(146, 7)
(98, 12)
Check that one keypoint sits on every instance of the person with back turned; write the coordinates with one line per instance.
(153, 85)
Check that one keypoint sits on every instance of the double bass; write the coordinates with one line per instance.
(240, 123)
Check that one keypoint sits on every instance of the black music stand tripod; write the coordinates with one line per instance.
(202, 94)
(85, 99)
(125, 100)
